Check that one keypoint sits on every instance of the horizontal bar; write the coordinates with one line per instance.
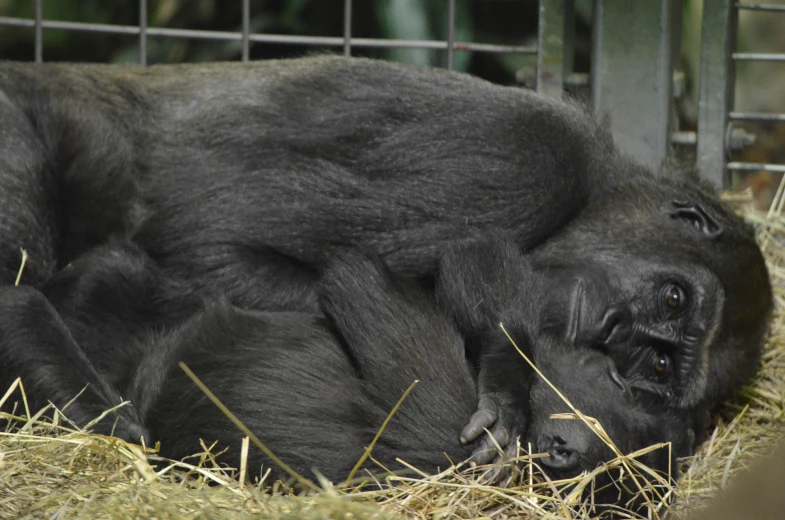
(752, 166)
(756, 56)
(577, 79)
(756, 116)
(684, 138)
(324, 41)
(761, 7)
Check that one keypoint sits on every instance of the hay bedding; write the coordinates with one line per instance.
(50, 469)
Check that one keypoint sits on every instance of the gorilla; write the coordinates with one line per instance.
(241, 179)
(316, 388)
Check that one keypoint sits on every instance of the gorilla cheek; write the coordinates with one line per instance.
(692, 374)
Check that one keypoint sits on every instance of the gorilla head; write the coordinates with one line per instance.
(590, 381)
(676, 290)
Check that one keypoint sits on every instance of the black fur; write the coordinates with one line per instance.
(315, 388)
(239, 179)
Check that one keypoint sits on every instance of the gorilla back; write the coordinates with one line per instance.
(263, 166)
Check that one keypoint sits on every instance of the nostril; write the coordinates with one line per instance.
(619, 381)
(609, 327)
(615, 327)
(561, 450)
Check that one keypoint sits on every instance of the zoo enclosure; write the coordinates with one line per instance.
(634, 76)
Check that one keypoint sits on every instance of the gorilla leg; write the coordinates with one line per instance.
(37, 346)
(107, 310)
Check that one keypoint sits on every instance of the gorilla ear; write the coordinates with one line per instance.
(695, 215)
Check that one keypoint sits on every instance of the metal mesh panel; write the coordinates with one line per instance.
(718, 138)
(347, 42)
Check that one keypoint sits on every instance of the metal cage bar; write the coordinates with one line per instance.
(555, 30)
(632, 78)
(761, 7)
(758, 56)
(246, 30)
(143, 33)
(347, 27)
(716, 90)
(319, 41)
(755, 116)
(756, 167)
(39, 31)
(450, 34)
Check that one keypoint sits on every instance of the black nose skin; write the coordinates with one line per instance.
(561, 456)
(598, 367)
(614, 327)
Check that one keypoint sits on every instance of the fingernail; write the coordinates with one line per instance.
(464, 441)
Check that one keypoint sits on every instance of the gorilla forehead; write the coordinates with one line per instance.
(632, 220)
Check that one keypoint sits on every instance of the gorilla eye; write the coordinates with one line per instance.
(661, 363)
(674, 297)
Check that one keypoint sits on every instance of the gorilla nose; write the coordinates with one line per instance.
(561, 456)
(614, 326)
(598, 366)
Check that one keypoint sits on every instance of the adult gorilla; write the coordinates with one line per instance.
(240, 178)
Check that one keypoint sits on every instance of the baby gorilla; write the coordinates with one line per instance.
(314, 388)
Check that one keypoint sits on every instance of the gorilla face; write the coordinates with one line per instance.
(592, 384)
(655, 320)
(676, 291)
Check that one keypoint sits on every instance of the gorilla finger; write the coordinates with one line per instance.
(481, 420)
(506, 481)
(489, 447)
(484, 454)
(497, 473)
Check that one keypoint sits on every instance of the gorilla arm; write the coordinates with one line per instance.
(481, 283)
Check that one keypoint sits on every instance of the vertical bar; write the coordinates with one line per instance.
(39, 32)
(347, 27)
(632, 74)
(677, 86)
(716, 90)
(143, 33)
(246, 30)
(569, 38)
(450, 34)
(553, 31)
